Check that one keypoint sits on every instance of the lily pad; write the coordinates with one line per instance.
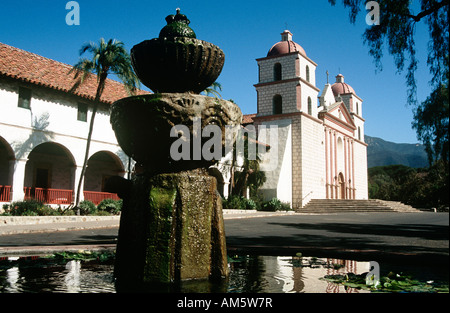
(390, 283)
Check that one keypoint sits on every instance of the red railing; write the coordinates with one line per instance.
(55, 196)
(5, 193)
(97, 197)
(49, 196)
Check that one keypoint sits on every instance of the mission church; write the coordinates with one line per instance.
(321, 151)
(320, 148)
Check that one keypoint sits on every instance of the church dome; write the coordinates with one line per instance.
(340, 87)
(285, 46)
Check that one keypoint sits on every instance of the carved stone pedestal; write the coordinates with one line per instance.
(172, 229)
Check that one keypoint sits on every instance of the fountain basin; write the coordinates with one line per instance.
(143, 124)
(179, 64)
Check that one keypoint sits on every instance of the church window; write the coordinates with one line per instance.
(259, 73)
(277, 72)
(277, 103)
(307, 73)
(309, 106)
(24, 98)
(82, 112)
(357, 108)
(359, 133)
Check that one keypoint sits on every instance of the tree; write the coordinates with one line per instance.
(431, 123)
(106, 57)
(397, 28)
(250, 174)
(214, 90)
(424, 188)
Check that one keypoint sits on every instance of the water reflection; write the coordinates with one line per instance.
(72, 278)
(30, 275)
(12, 277)
(253, 274)
(291, 274)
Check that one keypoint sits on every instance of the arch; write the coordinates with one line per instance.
(101, 166)
(213, 171)
(49, 174)
(277, 72)
(7, 149)
(277, 104)
(307, 73)
(6, 155)
(309, 106)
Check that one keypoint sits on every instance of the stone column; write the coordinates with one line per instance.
(18, 180)
(77, 175)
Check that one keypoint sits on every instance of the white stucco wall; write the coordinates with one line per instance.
(51, 118)
(313, 160)
(361, 182)
(277, 162)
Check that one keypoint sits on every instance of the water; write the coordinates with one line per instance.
(255, 274)
(72, 277)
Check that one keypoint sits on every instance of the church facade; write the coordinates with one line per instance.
(320, 149)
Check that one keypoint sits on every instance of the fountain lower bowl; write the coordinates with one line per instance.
(143, 126)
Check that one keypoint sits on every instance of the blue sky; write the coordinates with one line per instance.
(245, 30)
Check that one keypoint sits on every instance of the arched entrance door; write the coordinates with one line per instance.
(342, 193)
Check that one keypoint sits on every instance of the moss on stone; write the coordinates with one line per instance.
(158, 253)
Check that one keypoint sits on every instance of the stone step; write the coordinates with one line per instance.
(342, 206)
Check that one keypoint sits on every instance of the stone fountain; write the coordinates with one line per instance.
(171, 227)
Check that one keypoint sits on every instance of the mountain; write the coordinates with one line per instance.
(381, 152)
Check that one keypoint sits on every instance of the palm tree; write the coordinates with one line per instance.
(213, 90)
(107, 57)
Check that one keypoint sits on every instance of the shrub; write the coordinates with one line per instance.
(271, 205)
(275, 205)
(35, 208)
(250, 204)
(46, 210)
(102, 213)
(87, 208)
(28, 208)
(239, 203)
(233, 203)
(110, 206)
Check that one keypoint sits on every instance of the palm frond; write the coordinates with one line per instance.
(107, 57)
(212, 90)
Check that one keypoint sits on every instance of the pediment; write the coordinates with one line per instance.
(339, 114)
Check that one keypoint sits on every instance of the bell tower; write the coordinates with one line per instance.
(287, 80)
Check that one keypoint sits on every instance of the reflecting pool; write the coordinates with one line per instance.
(255, 274)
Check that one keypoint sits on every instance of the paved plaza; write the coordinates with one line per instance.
(417, 237)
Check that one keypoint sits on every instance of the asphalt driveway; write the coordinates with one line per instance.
(415, 237)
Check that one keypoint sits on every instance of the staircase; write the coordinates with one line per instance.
(348, 206)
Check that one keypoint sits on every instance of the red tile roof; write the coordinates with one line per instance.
(248, 119)
(32, 68)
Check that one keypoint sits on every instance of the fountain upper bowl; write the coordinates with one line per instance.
(177, 65)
